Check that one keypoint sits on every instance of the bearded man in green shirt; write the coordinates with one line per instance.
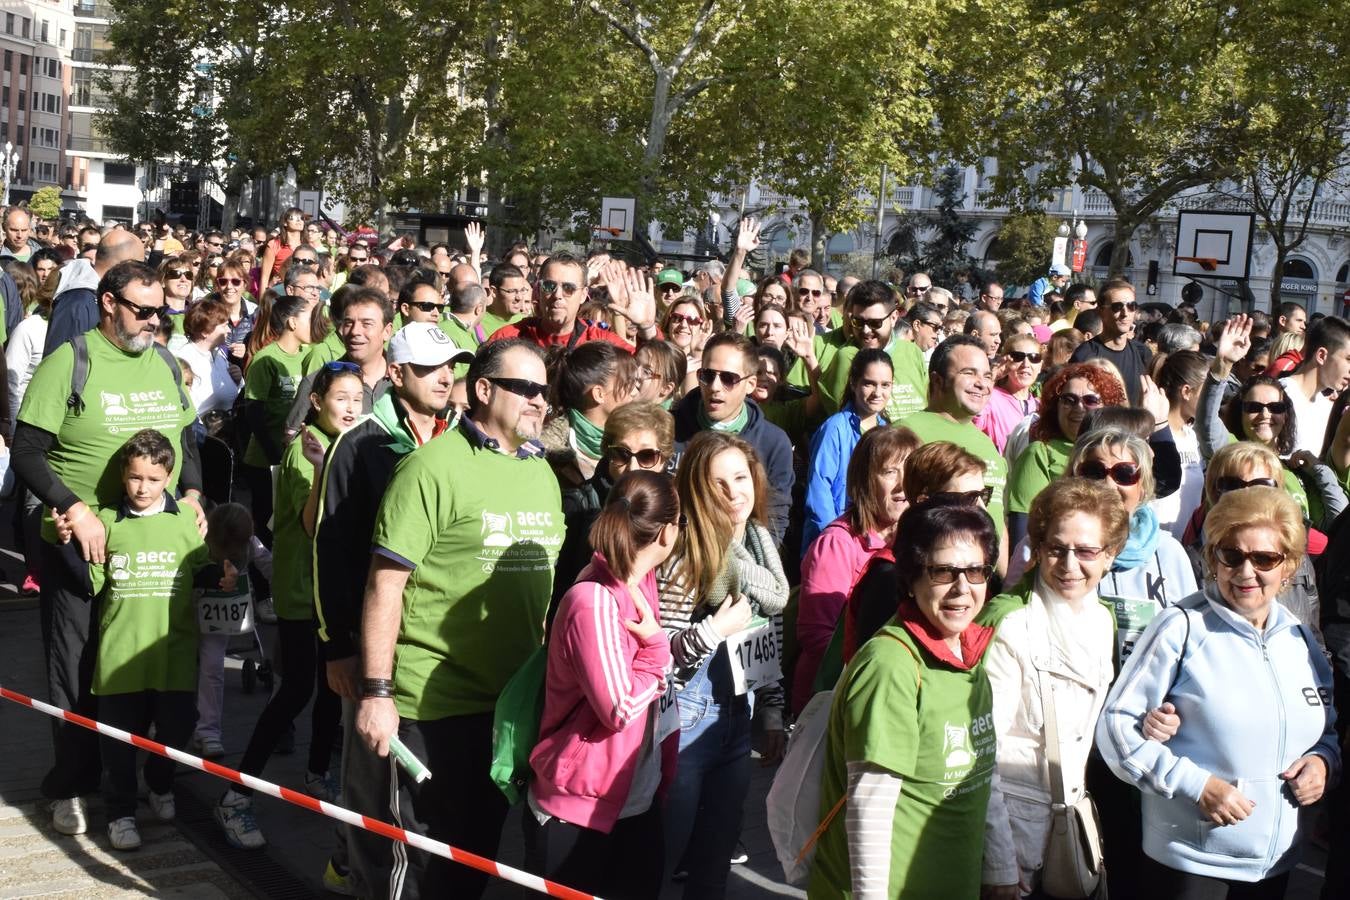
(464, 546)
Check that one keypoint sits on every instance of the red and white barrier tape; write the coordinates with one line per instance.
(483, 864)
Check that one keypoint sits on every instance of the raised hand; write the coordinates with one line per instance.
(311, 449)
(802, 339)
(1234, 341)
(474, 237)
(747, 236)
(638, 302)
(745, 313)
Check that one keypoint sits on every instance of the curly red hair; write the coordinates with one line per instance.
(1107, 386)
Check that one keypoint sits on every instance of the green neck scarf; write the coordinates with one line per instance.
(587, 434)
(735, 425)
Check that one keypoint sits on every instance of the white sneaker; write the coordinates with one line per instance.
(266, 611)
(235, 815)
(123, 834)
(209, 747)
(162, 806)
(70, 816)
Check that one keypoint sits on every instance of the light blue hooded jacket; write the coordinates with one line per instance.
(1250, 704)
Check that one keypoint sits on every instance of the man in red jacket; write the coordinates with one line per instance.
(562, 290)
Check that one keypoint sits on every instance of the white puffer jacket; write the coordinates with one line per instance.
(1074, 650)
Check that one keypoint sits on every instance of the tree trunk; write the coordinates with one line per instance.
(1281, 255)
(1126, 225)
(818, 239)
(658, 127)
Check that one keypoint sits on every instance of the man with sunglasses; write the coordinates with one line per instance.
(722, 403)
(1324, 372)
(917, 287)
(67, 451)
(1116, 343)
(562, 290)
(461, 572)
(870, 313)
(75, 306)
(809, 288)
(356, 472)
(960, 381)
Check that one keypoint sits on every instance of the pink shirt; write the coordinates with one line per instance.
(832, 566)
(1002, 414)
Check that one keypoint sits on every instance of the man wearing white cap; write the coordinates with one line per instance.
(356, 473)
(1055, 281)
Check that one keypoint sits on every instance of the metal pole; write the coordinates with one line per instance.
(881, 216)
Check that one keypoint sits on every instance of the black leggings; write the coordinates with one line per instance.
(259, 483)
(626, 864)
(1163, 881)
(302, 667)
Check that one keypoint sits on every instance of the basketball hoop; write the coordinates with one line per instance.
(1208, 263)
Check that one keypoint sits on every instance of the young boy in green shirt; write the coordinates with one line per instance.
(146, 668)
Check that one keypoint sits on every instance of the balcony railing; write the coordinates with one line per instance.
(88, 145)
(87, 10)
(90, 54)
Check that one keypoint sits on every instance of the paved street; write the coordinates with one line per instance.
(190, 859)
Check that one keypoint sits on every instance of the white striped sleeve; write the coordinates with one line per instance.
(873, 794)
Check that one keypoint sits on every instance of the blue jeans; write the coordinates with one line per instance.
(707, 797)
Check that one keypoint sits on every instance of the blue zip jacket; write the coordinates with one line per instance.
(1250, 704)
(826, 484)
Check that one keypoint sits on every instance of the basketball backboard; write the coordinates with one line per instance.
(1213, 244)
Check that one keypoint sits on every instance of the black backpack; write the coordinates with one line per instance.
(79, 374)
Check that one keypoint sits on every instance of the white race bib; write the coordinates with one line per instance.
(218, 614)
(668, 713)
(754, 657)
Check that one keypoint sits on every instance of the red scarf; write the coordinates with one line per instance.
(974, 640)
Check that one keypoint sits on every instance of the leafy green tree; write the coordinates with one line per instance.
(46, 203)
(1024, 244)
(935, 242)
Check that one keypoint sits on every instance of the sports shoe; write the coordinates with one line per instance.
(162, 806)
(123, 835)
(740, 856)
(30, 585)
(265, 611)
(322, 787)
(234, 812)
(70, 816)
(208, 747)
(337, 880)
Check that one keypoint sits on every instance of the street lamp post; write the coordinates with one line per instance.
(9, 165)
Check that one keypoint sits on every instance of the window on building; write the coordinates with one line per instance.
(117, 214)
(9, 59)
(82, 87)
(27, 27)
(44, 32)
(9, 23)
(23, 100)
(23, 65)
(63, 37)
(4, 96)
(119, 173)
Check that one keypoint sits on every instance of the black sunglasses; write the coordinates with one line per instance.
(949, 574)
(709, 377)
(1274, 407)
(875, 324)
(1233, 483)
(1121, 306)
(1261, 560)
(964, 498)
(648, 458)
(1087, 401)
(549, 286)
(178, 273)
(426, 305)
(520, 386)
(1123, 474)
(1018, 356)
(305, 260)
(142, 313)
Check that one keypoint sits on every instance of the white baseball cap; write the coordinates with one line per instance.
(1060, 269)
(424, 344)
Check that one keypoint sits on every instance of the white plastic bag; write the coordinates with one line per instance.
(794, 797)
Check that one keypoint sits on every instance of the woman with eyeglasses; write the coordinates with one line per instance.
(1071, 394)
(1262, 412)
(870, 378)
(836, 560)
(231, 281)
(290, 237)
(909, 755)
(589, 383)
(1011, 399)
(1053, 654)
(176, 276)
(685, 326)
(1222, 798)
(725, 578)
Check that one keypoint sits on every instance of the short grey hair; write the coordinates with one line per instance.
(1176, 336)
(1116, 440)
(713, 269)
(294, 272)
(807, 273)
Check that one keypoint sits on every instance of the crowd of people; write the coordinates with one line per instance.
(1032, 554)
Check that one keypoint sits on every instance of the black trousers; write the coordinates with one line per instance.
(626, 864)
(69, 620)
(174, 715)
(1161, 881)
(301, 669)
(459, 805)
(258, 480)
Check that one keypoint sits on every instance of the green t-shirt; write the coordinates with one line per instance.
(909, 393)
(125, 393)
(147, 623)
(1041, 463)
(491, 322)
(933, 727)
(324, 352)
(931, 426)
(825, 346)
(292, 548)
(462, 338)
(273, 378)
(482, 530)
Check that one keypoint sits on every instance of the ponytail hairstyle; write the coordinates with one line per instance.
(1182, 368)
(573, 373)
(640, 504)
(325, 378)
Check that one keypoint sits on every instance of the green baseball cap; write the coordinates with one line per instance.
(669, 276)
(745, 287)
